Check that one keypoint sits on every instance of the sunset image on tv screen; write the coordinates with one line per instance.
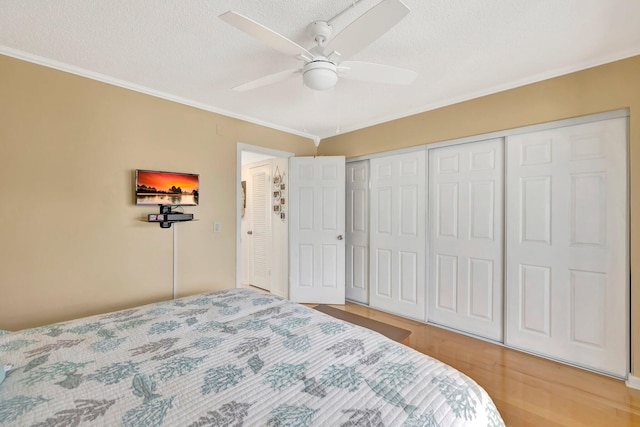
(166, 188)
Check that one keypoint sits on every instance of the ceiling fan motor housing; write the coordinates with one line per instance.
(320, 31)
(320, 74)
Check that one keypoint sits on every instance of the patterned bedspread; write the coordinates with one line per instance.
(228, 358)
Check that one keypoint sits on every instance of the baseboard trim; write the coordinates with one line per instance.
(280, 294)
(633, 382)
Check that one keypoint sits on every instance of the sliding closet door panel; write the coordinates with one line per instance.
(567, 251)
(357, 232)
(465, 237)
(397, 239)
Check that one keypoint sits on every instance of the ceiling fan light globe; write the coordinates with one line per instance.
(320, 75)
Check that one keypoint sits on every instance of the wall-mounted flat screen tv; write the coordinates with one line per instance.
(166, 188)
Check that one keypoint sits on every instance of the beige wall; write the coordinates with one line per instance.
(72, 241)
(607, 87)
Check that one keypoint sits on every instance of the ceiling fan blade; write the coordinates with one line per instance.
(264, 34)
(376, 73)
(267, 80)
(367, 28)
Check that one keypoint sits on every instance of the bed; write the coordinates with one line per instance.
(230, 358)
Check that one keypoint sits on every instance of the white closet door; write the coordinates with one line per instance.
(567, 251)
(316, 229)
(466, 237)
(260, 216)
(357, 232)
(397, 239)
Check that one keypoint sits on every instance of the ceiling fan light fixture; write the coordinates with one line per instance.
(320, 75)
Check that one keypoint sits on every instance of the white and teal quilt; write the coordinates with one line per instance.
(229, 358)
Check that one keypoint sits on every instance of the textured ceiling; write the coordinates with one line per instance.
(182, 51)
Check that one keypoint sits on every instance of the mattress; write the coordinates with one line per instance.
(229, 358)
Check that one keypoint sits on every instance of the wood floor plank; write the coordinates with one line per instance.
(529, 391)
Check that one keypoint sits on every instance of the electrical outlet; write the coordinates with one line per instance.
(217, 228)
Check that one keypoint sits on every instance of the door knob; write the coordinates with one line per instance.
(249, 232)
(340, 237)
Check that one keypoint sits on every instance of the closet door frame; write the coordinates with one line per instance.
(618, 113)
(240, 148)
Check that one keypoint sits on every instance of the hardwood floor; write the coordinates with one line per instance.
(528, 390)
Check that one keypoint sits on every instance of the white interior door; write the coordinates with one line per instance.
(466, 237)
(316, 229)
(397, 239)
(245, 226)
(567, 248)
(357, 232)
(259, 233)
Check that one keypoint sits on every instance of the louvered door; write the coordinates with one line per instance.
(260, 237)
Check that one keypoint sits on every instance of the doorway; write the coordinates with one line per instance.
(261, 253)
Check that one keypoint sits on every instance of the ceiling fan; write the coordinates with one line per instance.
(325, 62)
